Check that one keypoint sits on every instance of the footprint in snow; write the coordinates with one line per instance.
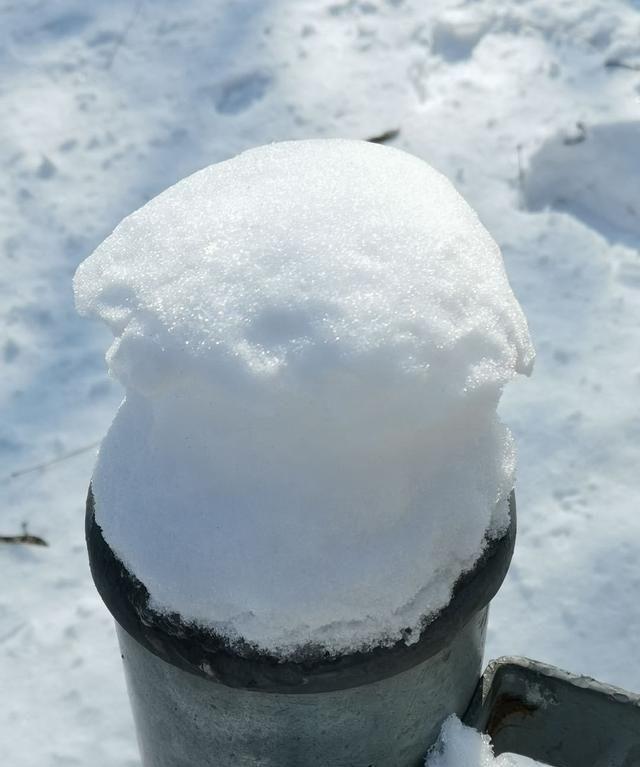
(10, 351)
(58, 27)
(456, 35)
(242, 92)
(67, 24)
(592, 173)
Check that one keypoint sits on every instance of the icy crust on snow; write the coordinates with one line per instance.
(313, 337)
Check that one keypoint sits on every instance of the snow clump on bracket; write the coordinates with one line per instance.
(313, 337)
(461, 746)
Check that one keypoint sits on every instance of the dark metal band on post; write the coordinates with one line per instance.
(201, 651)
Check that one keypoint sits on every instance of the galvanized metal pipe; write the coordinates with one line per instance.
(184, 720)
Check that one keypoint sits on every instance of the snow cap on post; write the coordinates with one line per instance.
(313, 337)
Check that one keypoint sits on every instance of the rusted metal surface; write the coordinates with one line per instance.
(555, 717)
(507, 711)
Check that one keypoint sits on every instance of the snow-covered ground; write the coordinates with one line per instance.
(531, 108)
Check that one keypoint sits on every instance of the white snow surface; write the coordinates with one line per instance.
(461, 746)
(313, 337)
(105, 104)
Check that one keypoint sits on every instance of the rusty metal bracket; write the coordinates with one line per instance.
(555, 717)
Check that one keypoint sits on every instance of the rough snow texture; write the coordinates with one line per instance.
(461, 746)
(313, 337)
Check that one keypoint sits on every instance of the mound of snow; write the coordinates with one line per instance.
(314, 337)
(592, 173)
(460, 746)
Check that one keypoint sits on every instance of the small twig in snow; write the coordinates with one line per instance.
(33, 540)
(123, 36)
(385, 137)
(46, 464)
(578, 137)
